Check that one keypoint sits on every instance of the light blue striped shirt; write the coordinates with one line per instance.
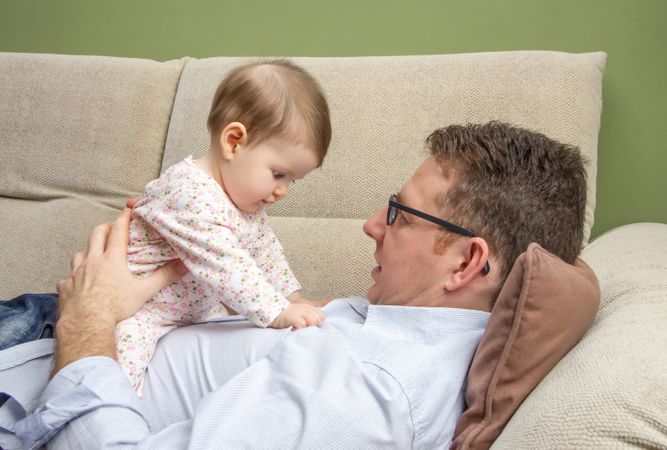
(369, 377)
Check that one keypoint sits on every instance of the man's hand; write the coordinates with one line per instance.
(132, 202)
(298, 315)
(101, 291)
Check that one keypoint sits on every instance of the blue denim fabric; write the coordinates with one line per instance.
(27, 318)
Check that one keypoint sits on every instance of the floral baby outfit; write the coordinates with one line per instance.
(234, 259)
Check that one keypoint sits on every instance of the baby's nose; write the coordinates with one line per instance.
(280, 191)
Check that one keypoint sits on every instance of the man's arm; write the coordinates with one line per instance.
(309, 392)
(100, 292)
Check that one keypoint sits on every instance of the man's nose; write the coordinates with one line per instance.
(376, 225)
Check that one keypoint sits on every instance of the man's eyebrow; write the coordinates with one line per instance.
(400, 211)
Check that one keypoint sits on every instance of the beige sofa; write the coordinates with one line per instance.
(81, 134)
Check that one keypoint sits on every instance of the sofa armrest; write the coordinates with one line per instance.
(610, 390)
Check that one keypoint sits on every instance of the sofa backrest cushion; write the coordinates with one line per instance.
(79, 135)
(544, 308)
(382, 110)
(610, 391)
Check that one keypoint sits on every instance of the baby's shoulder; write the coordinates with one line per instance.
(182, 186)
(183, 178)
(184, 173)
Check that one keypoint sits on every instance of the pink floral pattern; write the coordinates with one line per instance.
(234, 258)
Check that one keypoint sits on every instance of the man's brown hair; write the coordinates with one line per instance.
(273, 97)
(512, 186)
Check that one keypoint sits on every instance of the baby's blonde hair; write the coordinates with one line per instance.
(273, 97)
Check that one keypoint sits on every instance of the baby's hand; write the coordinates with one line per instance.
(298, 315)
(295, 297)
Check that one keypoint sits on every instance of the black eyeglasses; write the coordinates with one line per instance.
(392, 212)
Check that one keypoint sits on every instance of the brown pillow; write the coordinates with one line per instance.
(544, 308)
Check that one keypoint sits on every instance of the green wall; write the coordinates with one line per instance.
(632, 148)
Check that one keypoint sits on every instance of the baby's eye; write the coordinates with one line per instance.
(278, 175)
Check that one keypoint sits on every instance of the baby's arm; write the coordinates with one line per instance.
(295, 297)
(202, 234)
(298, 315)
(214, 256)
(271, 258)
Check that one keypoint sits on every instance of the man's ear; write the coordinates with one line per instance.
(471, 258)
(232, 137)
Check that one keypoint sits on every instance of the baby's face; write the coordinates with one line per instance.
(259, 175)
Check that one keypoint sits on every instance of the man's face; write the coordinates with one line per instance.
(409, 272)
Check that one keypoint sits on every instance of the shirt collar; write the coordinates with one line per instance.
(419, 323)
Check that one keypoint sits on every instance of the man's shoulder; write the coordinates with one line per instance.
(350, 308)
(352, 302)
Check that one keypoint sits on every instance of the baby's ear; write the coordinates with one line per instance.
(232, 137)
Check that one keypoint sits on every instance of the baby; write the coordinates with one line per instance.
(269, 126)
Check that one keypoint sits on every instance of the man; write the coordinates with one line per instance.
(387, 372)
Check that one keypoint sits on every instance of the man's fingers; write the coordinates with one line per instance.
(162, 277)
(131, 202)
(77, 260)
(98, 239)
(172, 272)
(60, 287)
(64, 286)
(119, 235)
